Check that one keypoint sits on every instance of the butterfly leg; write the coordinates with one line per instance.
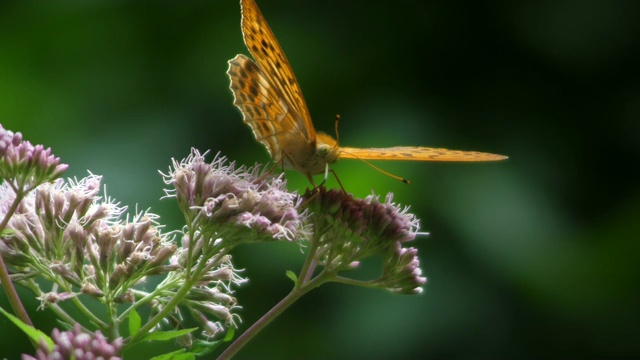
(310, 195)
(269, 172)
(338, 179)
(310, 178)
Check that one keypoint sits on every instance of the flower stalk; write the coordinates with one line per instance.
(347, 231)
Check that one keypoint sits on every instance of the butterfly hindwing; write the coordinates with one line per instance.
(273, 123)
(274, 64)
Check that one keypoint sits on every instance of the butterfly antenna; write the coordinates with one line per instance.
(406, 181)
(336, 128)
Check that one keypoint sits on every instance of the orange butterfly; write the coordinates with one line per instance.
(271, 101)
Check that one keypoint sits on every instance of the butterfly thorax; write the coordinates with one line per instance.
(313, 160)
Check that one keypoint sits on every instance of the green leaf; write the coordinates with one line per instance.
(134, 322)
(229, 335)
(63, 325)
(175, 355)
(32, 332)
(166, 335)
(291, 275)
(203, 347)
(7, 232)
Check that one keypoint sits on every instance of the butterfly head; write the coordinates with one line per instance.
(326, 148)
(325, 152)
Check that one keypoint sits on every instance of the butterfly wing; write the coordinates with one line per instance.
(273, 123)
(275, 67)
(415, 153)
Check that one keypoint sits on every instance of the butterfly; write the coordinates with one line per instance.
(268, 95)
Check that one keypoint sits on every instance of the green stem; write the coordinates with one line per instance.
(177, 298)
(113, 325)
(192, 242)
(5, 279)
(354, 282)
(309, 266)
(62, 314)
(146, 297)
(306, 282)
(267, 318)
(175, 301)
(90, 315)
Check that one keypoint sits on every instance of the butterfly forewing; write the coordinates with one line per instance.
(415, 153)
(271, 59)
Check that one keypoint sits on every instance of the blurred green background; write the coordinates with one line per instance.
(535, 256)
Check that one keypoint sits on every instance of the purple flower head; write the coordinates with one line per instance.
(235, 204)
(78, 345)
(402, 273)
(79, 236)
(25, 165)
(349, 230)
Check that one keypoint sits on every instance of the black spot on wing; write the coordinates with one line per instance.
(267, 47)
(253, 89)
(265, 127)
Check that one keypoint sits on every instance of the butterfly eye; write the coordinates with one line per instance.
(323, 151)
